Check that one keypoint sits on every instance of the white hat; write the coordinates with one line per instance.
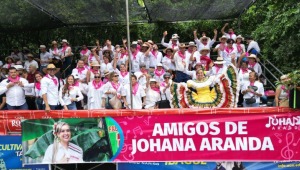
(223, 37)
(153, 80)
(95, 64)
(76, 76)
(151, 42)
(18, 67)
(283, 77)
(134, 43)
(42, 46)
(175, 37)
(64, 41)
(240, 36)
(219, 60)
(191, 43)
(253, 56)
(159, 65)
(205, 48)
(204, 37)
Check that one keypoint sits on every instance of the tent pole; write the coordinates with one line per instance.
(129, 53)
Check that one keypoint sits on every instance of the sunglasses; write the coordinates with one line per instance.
(167, 77)
(116, 75)
(97, 77)
(67, 130)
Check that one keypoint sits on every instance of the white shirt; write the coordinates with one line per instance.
(179, 62)
(141, 79)
(136, 99)
(167, 94)
(122, 60)
(228, 54)
(27, 64)
(82, 76)
(107, 66)
(260, 90)
(196, 56)
(55, 53)
(74, 153)
(123, 80)
(149, 60)
(168, 64)
(170, 45)
(48, 87)
(15, 96)
(95, 96)
(18, 56)
(66, 98)
(45, 58)
(135, 62)
(233, 36)
(88, 52)
(244, 77)
(213, 70)
(253, 44)
(241, 52)
(109, 87)
(200, 45)
(152, 97)
(157, 58)
(256, 68)
(7, 66)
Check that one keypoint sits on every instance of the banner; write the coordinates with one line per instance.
(209, 166)
(57, 141)
(224, 137)
(11, 154)
(244, 137)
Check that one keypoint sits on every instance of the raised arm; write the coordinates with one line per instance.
(223, 29)
(163, 39)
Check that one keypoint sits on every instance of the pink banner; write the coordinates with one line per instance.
(244, 137)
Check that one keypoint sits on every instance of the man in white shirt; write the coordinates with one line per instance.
(173, 43)
(49, 89)
(205, 42)
(138, 95)
(253, 46)
(29, 62)
(254, 89)
(230, 34)
(45, 57)
(13, 86)
(80, 70)
(181, 64)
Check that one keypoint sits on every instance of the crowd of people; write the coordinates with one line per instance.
(101, 78)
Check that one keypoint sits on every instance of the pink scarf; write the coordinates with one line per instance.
(64, 49)
(159, 73)
(135, 88)
(8, 66)
(229, 50)
(252, 83)
(155, 53)
(190, 51)
(163, 84)
(83, 52)
(181, 55)
(76, 84)
(168, 56)
(156, 89)
(17, 79)
(218, 67)
(105, 80)
(91, 57)
(174, 45)
(244, 70)
(123, 54)
(124, 73)
(70, 87)
(55, 50)
(222, 46)
(115, 85)
(144, 72)
(80, 69)
(97, 85)
(251, 65)
(134, 54)
(38, 85)
(53, 79)
(94, 71)
(239, 47)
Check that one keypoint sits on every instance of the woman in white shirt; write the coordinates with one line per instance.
(152, 94)
(37, 90)
(239, 46)
(96, 96)
(95, 68)
(62, 150)
(69, 94)
(167, 62)
(112, 88)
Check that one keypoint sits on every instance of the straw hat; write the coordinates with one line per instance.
(223, 37)
(95, 64)
(42, 46)
(192, 44)
(106, 72)
(146, 45)
(204, 37)
(30, 55)
(283, 77)
(64, 41)
(219, 60)
(175, 37)
(107, 50)
(182, 45)
(151, 42)
(6, 58)
(240, 36)
(165, 50)
(54, 43)
(205, 48)
(253, 56)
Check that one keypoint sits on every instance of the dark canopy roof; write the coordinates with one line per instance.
(45, 14)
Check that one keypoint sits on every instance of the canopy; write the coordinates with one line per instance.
(45, 14)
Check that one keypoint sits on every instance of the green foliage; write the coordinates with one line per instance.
(275, 25)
